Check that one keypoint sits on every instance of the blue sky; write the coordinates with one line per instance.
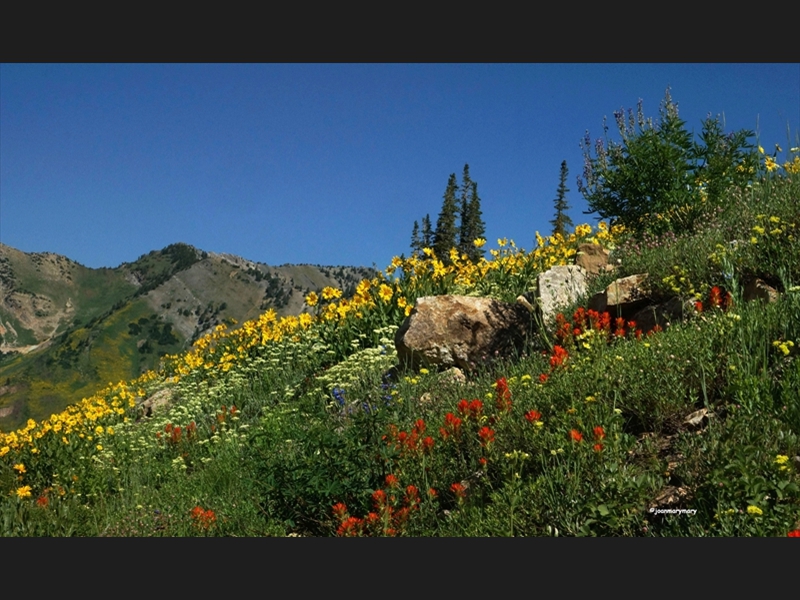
(324, 163)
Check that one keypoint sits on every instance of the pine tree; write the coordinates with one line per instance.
(444, 237)
(472, 225)
(464, 233)
(416, 243)
(427, 232)
(561, 220)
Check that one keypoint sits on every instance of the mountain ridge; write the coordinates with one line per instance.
(66, 329)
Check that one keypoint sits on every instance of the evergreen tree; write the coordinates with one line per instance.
(416, 243)
(561, 220)
(472, 225)
(444, 237)
(427, 232)
(464, 240)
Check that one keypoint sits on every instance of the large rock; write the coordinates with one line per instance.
(460, 331)
(625, 295)
(559, 287)
(593, 258)
(756, 288)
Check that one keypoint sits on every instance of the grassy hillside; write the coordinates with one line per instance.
(299, 426)
(68, 330)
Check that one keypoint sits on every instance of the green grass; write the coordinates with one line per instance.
(324, 440)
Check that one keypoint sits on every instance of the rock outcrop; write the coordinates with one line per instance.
(558, 287)
(593, 258)
(461, 331)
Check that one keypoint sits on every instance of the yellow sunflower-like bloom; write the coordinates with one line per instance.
(385, 292)
(312, 299)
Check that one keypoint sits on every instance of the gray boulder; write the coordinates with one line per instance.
(558, 287)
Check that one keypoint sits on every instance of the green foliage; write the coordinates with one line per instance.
(472, 225)
(657, 178)
(562, 220)
(460, 222)
(444, 237)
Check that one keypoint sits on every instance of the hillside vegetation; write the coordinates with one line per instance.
(301, 426)
(66, 330)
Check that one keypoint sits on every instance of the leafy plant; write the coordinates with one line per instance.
(657, 178)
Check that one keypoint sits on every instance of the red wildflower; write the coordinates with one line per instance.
(486, 435)
(563, 328)
(579, 317)
(599, 433)
(715, 297)
(340, 510)
(503, 395)
(42, 501)
(400, 517)
(432, 493)
(543, 378)
(459, 490)
(452, 426)
(533, 415)
(351, 527)
(176, 435)
(427, 444)
(412, 495)
(559, 356)
(575, 435)
(475, 409)
(698, 306)
(203, 518)
(463, 407)
(392, 481)
(482, 461)
(378, 499)
(597, 447)
(576, 332)
(631, 324)
(596, 320)
(794, 533)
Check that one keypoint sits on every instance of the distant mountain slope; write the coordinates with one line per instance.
(66, 329)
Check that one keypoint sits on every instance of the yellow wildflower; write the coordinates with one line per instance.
(24, 492)
(20, 468)
(479, 242)
(770, 164)
(781, 460)
(312, 299)
(754, 510)
(329, 293)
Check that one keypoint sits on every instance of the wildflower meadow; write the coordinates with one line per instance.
(307, 426)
